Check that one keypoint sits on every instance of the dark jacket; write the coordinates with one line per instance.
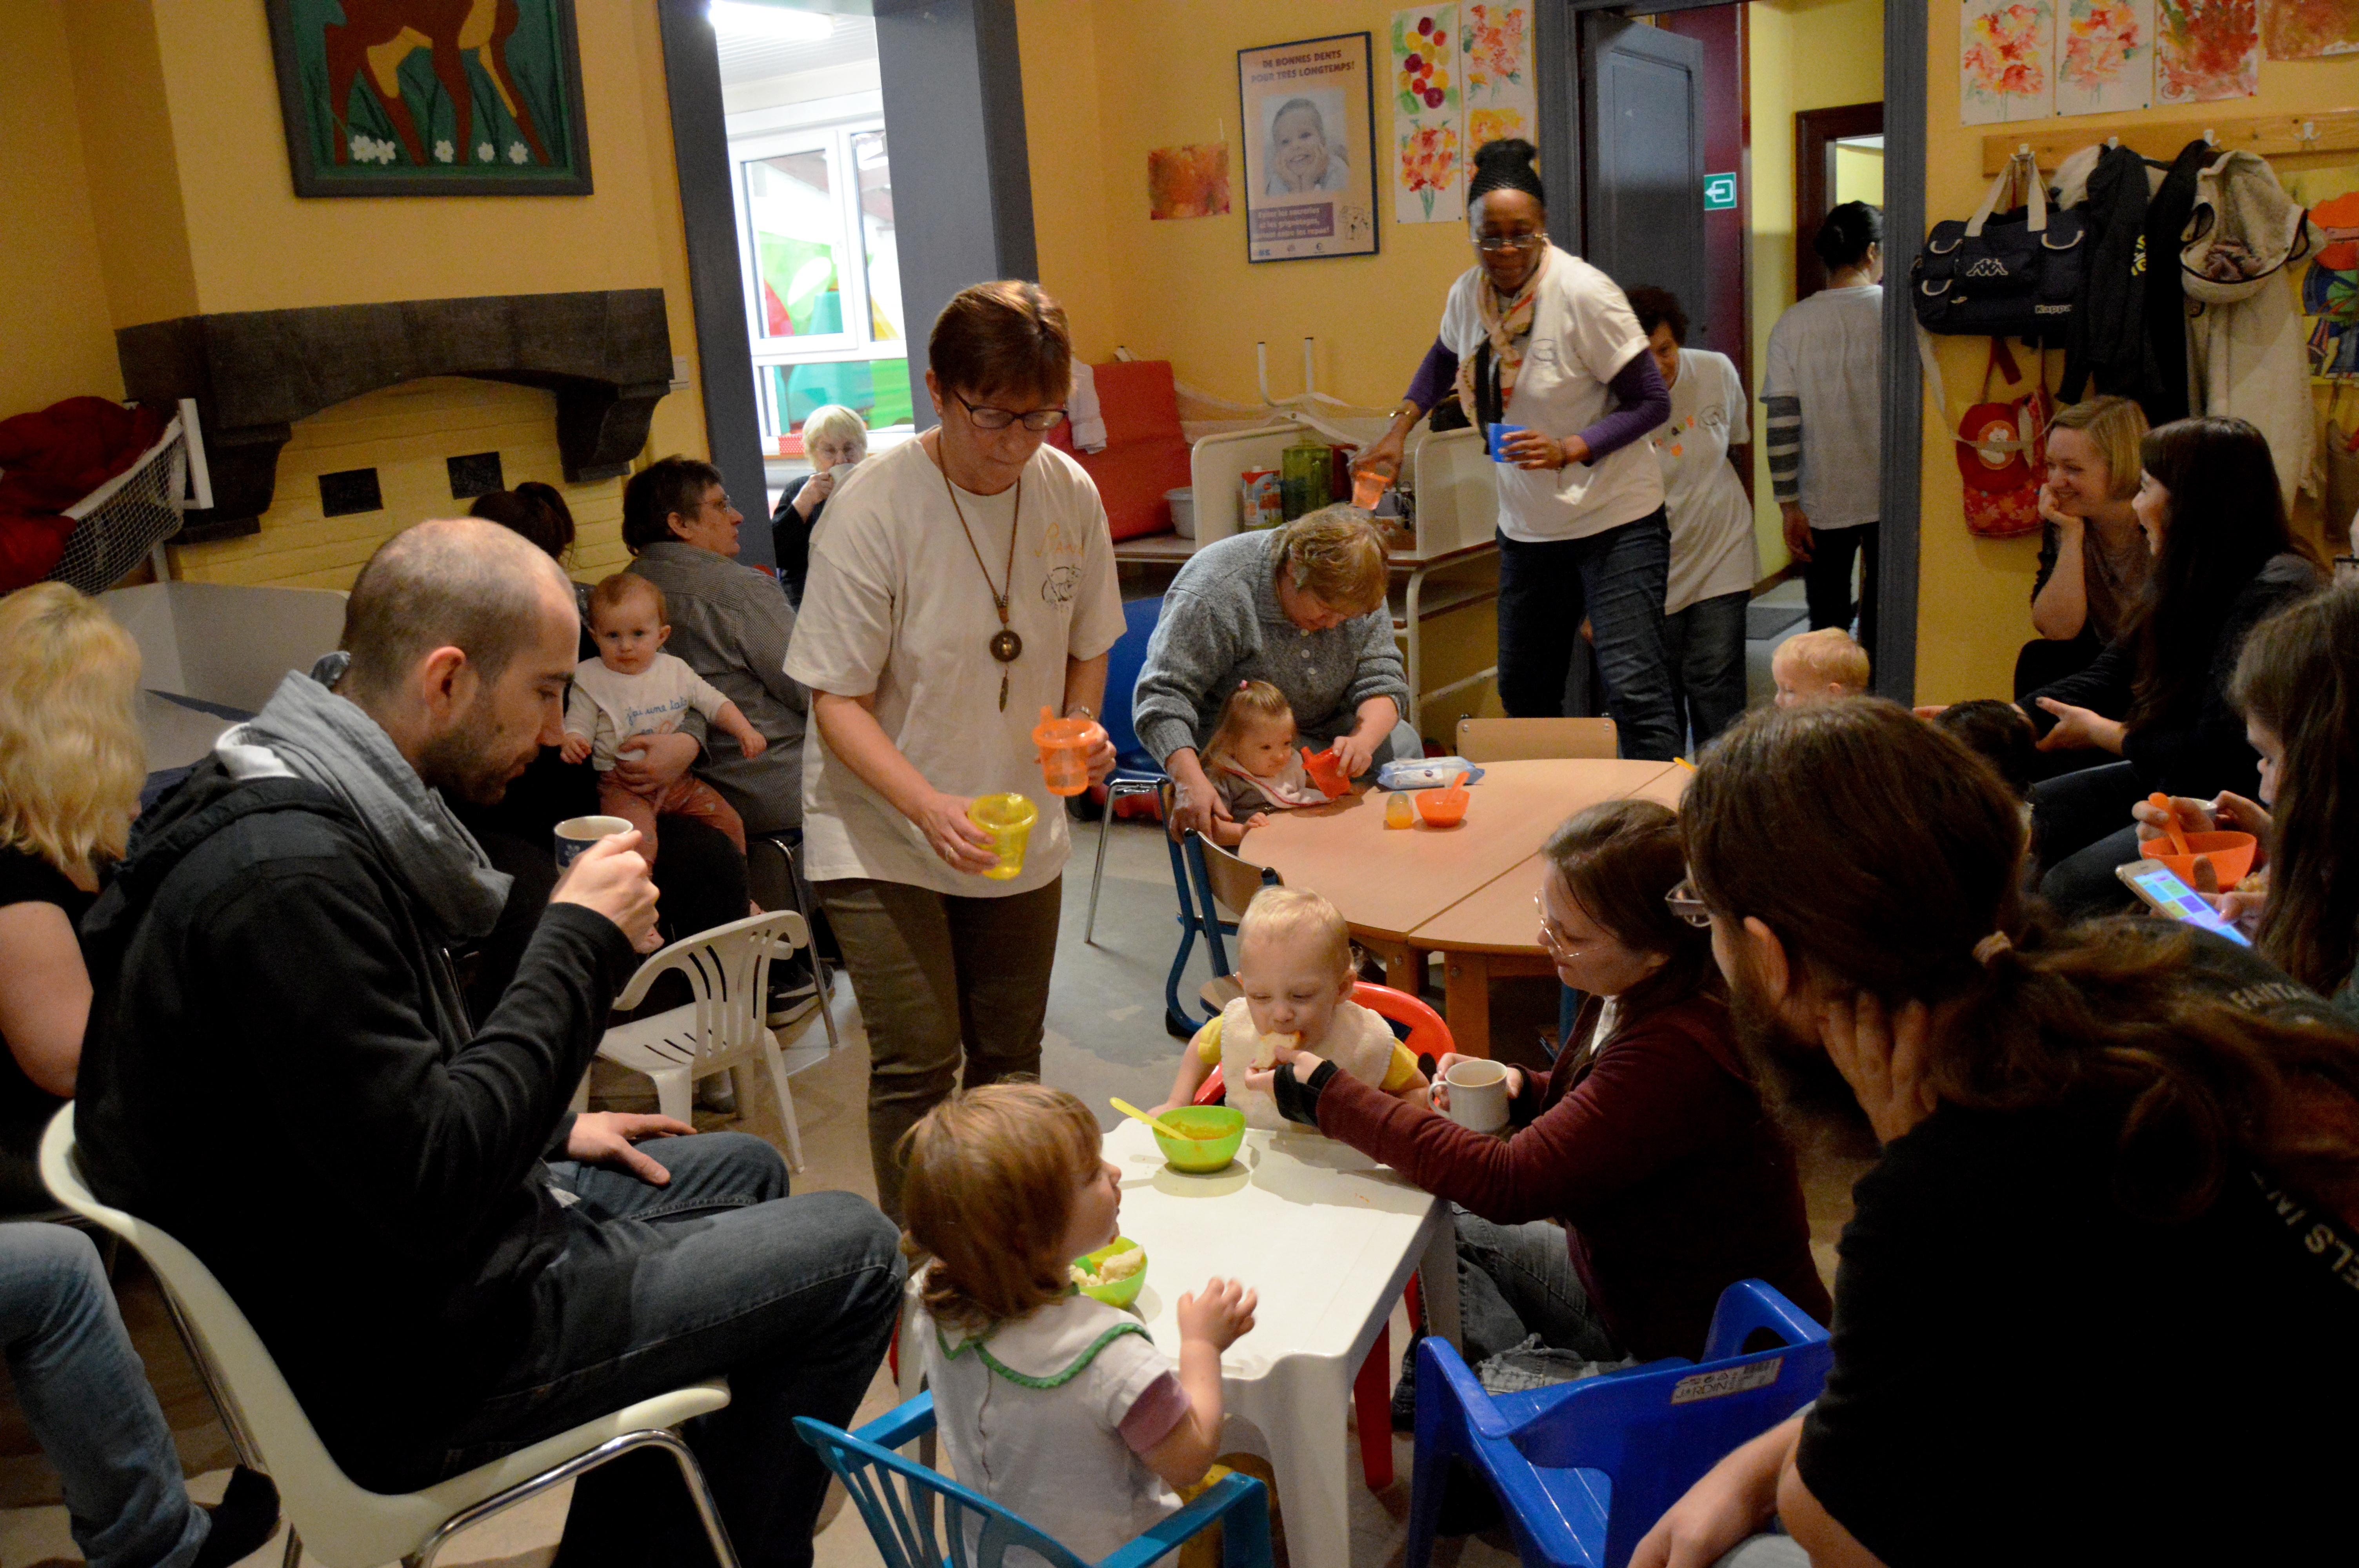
(2108, 334)
(1671, 1182)
(279, 1071)
(790, 537)
(2161, 390)
(2197, 749)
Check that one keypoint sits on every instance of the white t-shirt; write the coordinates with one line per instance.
(1828, 351)
(895, 605)
(609, 706)
(1582, 333)
(1712, 548)
(1053, 1454)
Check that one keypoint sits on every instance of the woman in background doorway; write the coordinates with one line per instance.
(1540, 342)
(835, 438)
(1824, 398)
(1714, 559)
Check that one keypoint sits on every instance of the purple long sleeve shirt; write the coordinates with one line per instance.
(1638, 386)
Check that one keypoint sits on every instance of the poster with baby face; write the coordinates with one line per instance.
(1310, 134)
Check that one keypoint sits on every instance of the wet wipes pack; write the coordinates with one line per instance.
(1425, 773)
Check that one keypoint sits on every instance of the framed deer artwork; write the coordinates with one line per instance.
(431, 97)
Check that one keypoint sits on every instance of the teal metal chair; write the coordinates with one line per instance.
(919, 1519)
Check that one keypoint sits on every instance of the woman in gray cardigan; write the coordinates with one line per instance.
(1301, 607)
(729, 624)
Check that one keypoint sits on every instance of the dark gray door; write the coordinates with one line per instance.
(1642, 154)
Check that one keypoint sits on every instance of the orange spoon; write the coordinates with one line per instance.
(2161, 802)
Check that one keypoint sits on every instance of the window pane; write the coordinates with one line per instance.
(797, 243)
(879, 390)
(877, 236)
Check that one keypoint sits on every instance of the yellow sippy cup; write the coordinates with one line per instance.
(1008, 819)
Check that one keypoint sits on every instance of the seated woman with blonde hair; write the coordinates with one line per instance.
(1300, 607)
(71, 764)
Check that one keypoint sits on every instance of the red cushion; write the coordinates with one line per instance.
(1145, 453)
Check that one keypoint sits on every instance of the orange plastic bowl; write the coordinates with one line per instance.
(1442, 807)
(2231, 855)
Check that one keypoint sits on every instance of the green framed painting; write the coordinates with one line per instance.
(431, 97)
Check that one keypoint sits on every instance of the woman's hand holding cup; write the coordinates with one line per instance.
(963, 845)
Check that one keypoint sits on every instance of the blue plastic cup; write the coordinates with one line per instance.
(1499, 434)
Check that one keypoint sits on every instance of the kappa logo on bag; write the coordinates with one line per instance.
(1989, 266)
(2011, 273)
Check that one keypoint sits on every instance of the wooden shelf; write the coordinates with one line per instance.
(2271, 136)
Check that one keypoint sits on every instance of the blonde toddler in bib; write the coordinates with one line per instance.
(1052, 1404)
(1294, 960)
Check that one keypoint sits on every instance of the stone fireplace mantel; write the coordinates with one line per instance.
(605, 353)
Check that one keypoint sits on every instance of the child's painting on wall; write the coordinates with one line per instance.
(415, 98)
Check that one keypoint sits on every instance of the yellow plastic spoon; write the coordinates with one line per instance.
(1160, 1125)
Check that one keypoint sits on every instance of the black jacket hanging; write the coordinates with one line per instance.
(2162, 384)
(2109, 327)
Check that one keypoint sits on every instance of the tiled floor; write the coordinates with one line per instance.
(1104, 1037)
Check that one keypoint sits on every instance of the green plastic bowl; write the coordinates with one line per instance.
(1208, 1154)
(1121, 1292)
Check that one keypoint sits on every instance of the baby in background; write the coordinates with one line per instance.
(1052, 1404)
(1818, 666)
(1253, 761)
(1294, 960)
(633, 687)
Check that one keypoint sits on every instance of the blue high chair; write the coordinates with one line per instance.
(898, 1498)
(1584, 1469)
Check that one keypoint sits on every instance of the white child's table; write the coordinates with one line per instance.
(1328, 1238)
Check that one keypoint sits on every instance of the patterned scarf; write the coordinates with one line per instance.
(1508, 324)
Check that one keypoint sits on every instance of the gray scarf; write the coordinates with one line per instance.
(309, 732)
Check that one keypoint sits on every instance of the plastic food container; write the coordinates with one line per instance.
(1207, 1153)
(1120, 1293)
(1183, 509)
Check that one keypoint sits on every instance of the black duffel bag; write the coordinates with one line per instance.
(2003, 273)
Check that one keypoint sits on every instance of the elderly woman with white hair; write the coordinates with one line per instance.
(834, 438)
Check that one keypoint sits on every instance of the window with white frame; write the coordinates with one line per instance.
(822, 277)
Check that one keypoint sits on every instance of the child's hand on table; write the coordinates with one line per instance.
(1218, 1315)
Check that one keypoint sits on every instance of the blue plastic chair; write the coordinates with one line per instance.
(1584, 1469)
(898, 1498)
(1136, 771)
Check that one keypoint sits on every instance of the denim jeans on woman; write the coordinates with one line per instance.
(85, 1395)
(717, 1272)
(1705, 646)
(1616, 580)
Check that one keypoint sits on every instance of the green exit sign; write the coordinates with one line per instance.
(1719, 192)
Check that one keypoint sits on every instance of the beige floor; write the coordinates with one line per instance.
(1104, 1037)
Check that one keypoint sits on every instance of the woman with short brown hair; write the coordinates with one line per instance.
(1300, 607)
(964, 582)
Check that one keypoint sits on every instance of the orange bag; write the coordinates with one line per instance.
(2003, 453)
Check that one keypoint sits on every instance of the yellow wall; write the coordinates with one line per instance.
(52, 298)
(1859, 174)
(146, 134)
(1974, 595)
(1803, 54)
(1163, 74)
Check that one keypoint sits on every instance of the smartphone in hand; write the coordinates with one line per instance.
(2161, 890)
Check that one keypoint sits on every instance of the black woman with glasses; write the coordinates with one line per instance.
(1640, 1176)
(964, 583)
(1548, 360)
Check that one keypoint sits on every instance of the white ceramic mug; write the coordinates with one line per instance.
(1478, 1094)
(576, 834)
(838, 472)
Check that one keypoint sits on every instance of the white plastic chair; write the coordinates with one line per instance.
(344, 1525)
(728, 972)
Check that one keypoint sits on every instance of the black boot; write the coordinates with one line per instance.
(246, 1516)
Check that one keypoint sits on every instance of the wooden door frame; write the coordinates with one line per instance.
(1816, 131)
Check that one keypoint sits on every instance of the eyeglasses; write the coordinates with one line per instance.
(1553, 941)
(1491, 244)
(1000, 418)
(1689, 904)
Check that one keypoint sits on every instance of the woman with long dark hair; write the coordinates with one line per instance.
(2297, 685)
(2156, 697)
(1644, 1178)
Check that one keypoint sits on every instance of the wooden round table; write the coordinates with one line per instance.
(1464, 891)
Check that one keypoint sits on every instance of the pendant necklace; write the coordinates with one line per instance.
(1004, 644)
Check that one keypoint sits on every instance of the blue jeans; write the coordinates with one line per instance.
(1615, 580)
(1516, 1281)
(2081, 830)
(1705, 646)
(719, 1273)
(85, 1395)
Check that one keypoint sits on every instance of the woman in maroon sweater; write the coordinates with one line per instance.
(1648, 1144)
